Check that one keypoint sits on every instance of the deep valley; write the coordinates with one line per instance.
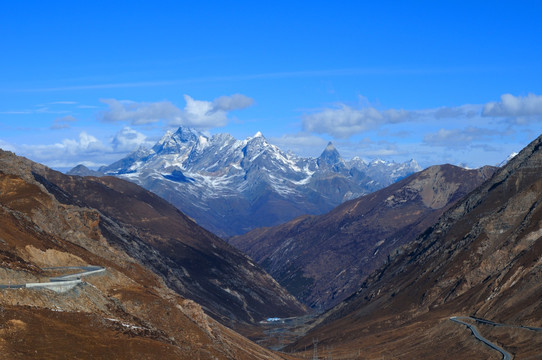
(446, 256)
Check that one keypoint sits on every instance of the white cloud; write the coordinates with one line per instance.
(301, 144)
(63, 122)
(450, 112)
(63, 103)
(345, 121)
(196, 113)
(86, 143)
(453, 138)
(369, 149)
(138, 113)
(233, 102)
(514, 106)
(200, 114)
(70, 152)
(382, 153)
(129, 139)
(210, 114)
(85, 149)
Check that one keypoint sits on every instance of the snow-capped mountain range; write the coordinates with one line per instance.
(232, 186)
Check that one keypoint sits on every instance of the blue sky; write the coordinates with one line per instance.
(440, 82)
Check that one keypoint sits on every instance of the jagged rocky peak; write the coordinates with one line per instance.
(187, 133)
(377, 162)
(357, 162)
(330, 155)
(258, 140)
(222, 138)
(176, 142)
(280, 187)
(257, 145)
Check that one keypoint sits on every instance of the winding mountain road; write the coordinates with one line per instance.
(87, 270)
(505, 354)
(60, 283)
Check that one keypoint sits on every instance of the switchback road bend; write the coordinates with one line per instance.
(505, 354)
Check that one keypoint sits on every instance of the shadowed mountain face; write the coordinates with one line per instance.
(324, 259)
(152, 253)
(232, 186)
(192, 261)
(482, 258)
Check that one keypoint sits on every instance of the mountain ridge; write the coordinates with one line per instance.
(126, 312)
(231, 186)
(322, 259)
(481, 259)
(193, 262)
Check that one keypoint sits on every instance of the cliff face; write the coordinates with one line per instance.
(134, 309)
(324, 259)
(482, 258)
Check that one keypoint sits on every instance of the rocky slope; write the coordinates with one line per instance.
(483, 258)
(156, 260)
(231, 186)
(324, 259)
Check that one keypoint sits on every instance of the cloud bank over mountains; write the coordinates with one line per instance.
(465, 126)
(344, 121)
(435, 135)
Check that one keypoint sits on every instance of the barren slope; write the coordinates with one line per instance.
(482, 258)
(127, 313)
(192, 261)
(324, 259)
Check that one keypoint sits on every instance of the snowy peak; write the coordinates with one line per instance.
(182, 140)
(186, 134)
(231, 186)
(357, 162)
(510, 157)
(414, 164)
(378, 162)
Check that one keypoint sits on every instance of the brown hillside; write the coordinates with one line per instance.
(324, 259)
(483, 258)
(192, 261)
(128, 312)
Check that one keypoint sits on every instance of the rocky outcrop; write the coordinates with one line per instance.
(324, 259)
